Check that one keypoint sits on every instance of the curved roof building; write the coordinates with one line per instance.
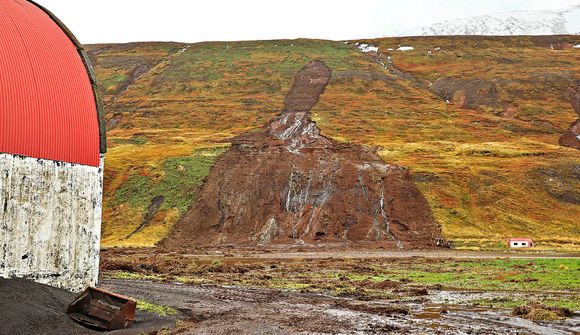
(48, 104)
(52, 141)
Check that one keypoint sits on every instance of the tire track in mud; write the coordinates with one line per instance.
(286, 183)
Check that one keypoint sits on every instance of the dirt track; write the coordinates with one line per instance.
(237, 310)
(328, 252)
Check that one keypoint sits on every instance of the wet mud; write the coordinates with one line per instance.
(239, 310)
(285, 291)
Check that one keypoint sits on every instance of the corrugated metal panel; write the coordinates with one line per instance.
(47, 106)
(92, 76)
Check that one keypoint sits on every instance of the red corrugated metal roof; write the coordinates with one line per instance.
(520, 239)
(47, 106)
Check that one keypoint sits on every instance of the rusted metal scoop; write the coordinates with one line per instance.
(98, 308)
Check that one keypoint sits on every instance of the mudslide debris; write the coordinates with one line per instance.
(286, 183)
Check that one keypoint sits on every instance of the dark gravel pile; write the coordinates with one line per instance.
(27, 307)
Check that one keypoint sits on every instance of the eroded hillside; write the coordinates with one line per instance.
(476, 120)
(285, 183)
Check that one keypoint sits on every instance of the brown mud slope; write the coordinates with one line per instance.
(285, 183)
(571, 137)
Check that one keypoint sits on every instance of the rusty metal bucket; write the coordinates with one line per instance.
(98, 308)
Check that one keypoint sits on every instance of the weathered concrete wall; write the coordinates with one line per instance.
(50, 221)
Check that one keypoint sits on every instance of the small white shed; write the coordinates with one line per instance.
(520, 243)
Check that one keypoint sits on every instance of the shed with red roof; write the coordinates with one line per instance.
(520, 242)
(52, 144)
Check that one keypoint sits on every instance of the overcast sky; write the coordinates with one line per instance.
(227, 20)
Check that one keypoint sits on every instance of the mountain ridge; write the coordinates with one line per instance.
(481, 144)
(531, 22)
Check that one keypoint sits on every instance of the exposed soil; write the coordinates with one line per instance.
(239, 310)
(137, 73)
(286, 183)
(280, 291)
(571, 138)
(152, 209)
(561, 185)
(470, 93)
(27, 307)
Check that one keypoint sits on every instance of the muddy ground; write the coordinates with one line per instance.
(240, 310)
(226, 291)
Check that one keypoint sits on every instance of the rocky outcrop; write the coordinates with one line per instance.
(571, 138)
(286, 183)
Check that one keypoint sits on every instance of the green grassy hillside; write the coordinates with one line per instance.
(476, 120)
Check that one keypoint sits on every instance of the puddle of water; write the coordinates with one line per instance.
(430, 312)
(450, 308)
(509, 322)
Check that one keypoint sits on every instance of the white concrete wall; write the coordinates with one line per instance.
(518, 244)
(50, 221)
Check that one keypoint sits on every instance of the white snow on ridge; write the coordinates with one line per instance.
(538, 22)
(367, 48)
(405, 48)
(577, 46)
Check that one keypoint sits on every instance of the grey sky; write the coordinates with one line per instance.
(194, 21)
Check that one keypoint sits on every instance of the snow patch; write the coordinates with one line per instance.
(405, 48)
(577, 46)
(368, 48)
